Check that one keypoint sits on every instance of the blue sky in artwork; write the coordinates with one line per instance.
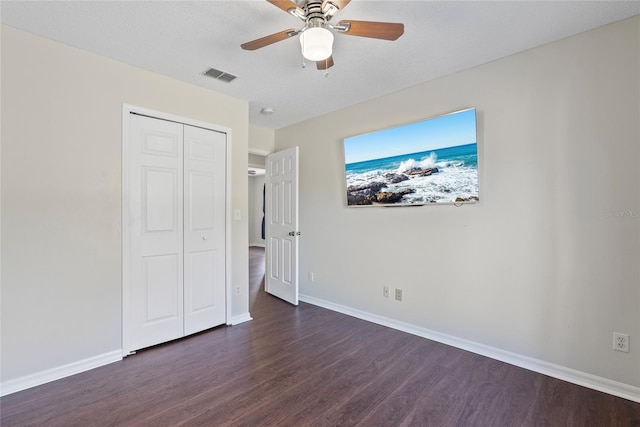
(449, 130)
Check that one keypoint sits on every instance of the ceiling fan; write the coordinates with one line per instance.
(316, 38)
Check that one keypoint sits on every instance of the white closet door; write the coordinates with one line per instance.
(155, 188)
(204, 229)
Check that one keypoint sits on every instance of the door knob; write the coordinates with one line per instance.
(204, 237)
(294, 233)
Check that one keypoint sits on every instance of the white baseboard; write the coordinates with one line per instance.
(584, 379)
(235, 320)
(39, 378)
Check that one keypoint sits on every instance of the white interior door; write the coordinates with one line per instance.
(204, 229)
(282, 232)
(155, 191)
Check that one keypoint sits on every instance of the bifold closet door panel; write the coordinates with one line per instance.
(204, 228)
(155, 194)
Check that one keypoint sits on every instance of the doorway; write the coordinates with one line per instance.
(256, 180)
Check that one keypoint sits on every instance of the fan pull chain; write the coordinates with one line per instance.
(326, 67)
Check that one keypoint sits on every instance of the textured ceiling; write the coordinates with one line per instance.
(182, 39)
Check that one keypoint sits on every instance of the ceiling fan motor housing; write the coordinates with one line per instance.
(315, 16)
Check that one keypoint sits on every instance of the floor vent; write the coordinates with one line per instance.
(219, 75)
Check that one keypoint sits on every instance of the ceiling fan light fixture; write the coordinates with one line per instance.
(316, 43)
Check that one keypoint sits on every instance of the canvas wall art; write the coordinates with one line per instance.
(433, 161)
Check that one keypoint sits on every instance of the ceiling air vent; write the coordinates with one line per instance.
(219, 75)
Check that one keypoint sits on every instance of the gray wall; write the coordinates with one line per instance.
(546, 265)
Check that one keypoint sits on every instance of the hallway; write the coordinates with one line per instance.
(256, 276)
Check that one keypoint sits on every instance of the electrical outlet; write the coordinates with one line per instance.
(621, 342)
(385, 291)
(237, 290)
(398, 294)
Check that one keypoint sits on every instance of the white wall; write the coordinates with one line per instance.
(256, 160)
(540, 267)
(256, 184)
(61, 196)
(261, 140)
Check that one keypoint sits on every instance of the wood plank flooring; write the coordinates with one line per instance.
(307, 366)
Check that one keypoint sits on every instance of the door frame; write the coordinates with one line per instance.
(127, 109)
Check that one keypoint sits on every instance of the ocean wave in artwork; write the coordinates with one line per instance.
(447, 175)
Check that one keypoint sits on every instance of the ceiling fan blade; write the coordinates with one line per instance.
(285, 5)
(325, 63)
(270, 39)
(376, 30)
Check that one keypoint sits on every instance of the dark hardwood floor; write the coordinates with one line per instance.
(299, 366)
